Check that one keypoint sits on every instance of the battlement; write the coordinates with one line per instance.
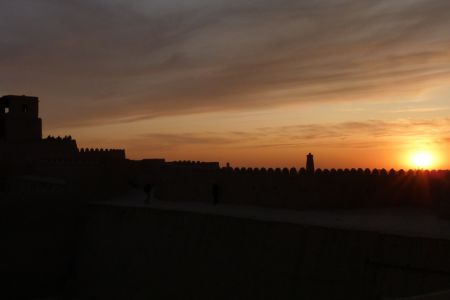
(292, 188)
(101, 154)
(335, 172)
(193, 164)
(21, 136)
(58, 139)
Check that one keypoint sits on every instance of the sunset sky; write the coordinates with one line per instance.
(359, 83)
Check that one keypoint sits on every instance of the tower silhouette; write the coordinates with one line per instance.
(19, 119)
(310, 163)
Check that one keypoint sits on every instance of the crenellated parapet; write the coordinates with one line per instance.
(50, 148)
(58, 139)
(334, 172)
(298, 189)
(101, 154)
(193, 164)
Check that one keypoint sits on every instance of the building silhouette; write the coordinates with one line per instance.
(310, 164)
(21, 139)
(24, 151)
(69, 235)
(19, 119)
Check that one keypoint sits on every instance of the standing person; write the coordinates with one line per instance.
(215, 193)
(148, 188)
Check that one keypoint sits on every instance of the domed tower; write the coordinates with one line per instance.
(19, 119)
(310, 163)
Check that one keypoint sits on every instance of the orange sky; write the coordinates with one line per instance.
(373, 134)
(359, 83)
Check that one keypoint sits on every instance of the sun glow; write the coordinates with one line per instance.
(422, 160)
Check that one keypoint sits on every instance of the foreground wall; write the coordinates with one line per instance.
(143, 253)
(38, 243)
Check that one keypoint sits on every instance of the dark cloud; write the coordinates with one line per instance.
(101, 60)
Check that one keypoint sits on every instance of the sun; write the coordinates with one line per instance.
(422, 160)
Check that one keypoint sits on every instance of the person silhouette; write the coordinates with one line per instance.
(148, 188)
(215, 193)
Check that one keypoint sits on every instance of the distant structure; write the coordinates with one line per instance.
(310, 163)
(21, 139)
(105, 172)
(19, 119)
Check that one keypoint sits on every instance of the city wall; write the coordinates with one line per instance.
(101, 154)
(55, 149)
(60, 247)
(296, 189)
(138, 252)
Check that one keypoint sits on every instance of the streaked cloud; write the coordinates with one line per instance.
(367, 134)
(417, 110)
(110, 61)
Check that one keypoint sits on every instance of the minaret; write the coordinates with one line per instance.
(310, 163)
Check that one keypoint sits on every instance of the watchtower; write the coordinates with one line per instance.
(310, 163)
(19, 119)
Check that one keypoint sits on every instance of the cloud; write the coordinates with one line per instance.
(418, 110)
(177, 140)
(367, 134)
(110, 61)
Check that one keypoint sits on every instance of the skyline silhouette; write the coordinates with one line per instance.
(225, 149)
(25, 152)
(89, 223)
(20, 123)
(358, 83)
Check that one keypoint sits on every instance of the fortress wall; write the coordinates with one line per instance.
(139, 253)
(38, 227)
(193, 164)
(90, 180)
(56, 247)
(39, 150)
(56, 149)
(288, 189)
(62, 149)
(101, 154)
(186, 185)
